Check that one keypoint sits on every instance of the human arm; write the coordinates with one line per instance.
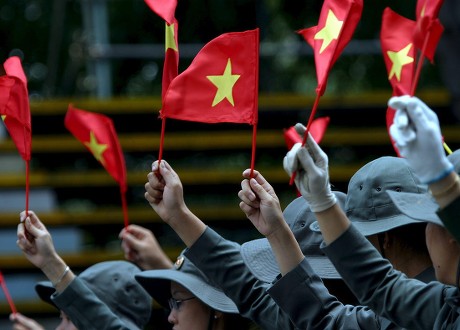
(40, 251)
(76, 303)
(140, 246)
(22, 322)
(165, 194)
(310, 165)
(261, 206)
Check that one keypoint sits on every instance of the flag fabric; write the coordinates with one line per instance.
(163, 8)
(396, 39)
(14, 106)
(171, 62)
(97, 133)
(317, 130)
(221, 83)
(429, 29)
(166, 10)
(337, 23)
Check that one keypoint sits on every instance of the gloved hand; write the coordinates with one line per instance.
(310, 164)
(417, 134)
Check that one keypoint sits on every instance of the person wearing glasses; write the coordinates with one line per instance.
(194, 303)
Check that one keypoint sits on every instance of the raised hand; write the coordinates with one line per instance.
(417, 134)
(141, 247)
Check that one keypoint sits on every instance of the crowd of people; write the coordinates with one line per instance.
(383, 255)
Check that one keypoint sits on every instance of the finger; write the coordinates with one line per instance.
(314, 149)
(290, 161)
(399, 102)
(167, 172)
(249, 199)
(31, 227)
(247, 191)
(401, 118)
(259, 190)
(306, 161)
(155, 181)
(247, 209)
(300, 129)
(247, 173)
(420, 113)
(153, 191)
(151, 199)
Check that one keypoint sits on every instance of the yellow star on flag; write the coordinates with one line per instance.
(330, 31)
(170, 42)
(224, 84)
(399, 59)
(422, 12)
(3, 117)
(96, 149)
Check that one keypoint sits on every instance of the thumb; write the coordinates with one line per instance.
(31, 224)
(131, 241)
(300, 129)
(167, 172)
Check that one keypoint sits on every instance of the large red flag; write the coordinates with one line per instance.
(429, 28)
(14, 106)
(396, 39)
(97, 132)
(337, 23)
(221, 83)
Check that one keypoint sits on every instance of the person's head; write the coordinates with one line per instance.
(114, 284)
(444, 250)
(260, 260)
(374, 214)
(194, 302)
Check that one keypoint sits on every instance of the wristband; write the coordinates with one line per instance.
(66, 270)
(447, 190)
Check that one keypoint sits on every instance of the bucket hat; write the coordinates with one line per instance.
(258, 255)
(423, 207)
(158, 284)
(368, 204)
(113, 283)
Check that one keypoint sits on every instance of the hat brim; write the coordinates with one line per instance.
(259, 258)
(420, 207)
(45, 290)
(157, 284)
(368, 228)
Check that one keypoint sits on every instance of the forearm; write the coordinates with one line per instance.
(56, 271)
(332, 222)
(286, 249)
(187, 226)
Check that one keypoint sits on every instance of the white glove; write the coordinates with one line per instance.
(417, 134)
(310, 165)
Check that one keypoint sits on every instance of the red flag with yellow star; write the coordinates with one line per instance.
(428, 29)
(221, 83)
(396, 39)
(398, 50)
(317, 131)
(14, 106)
(337, 23)
(97, 133)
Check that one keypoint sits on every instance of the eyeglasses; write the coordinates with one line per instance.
(175, 303)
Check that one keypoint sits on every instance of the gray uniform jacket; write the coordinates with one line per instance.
(221, 261)
(310, 306)
(85, 310)
(302, 295)
(409, 303)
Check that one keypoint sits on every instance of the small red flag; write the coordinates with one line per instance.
(220, 85)
(163, 8)
(429, 29)
(97, 133)
(396, 39)
(317, 130)
(337, 23)
(14, 106)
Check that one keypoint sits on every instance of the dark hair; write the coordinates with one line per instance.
(411, 237)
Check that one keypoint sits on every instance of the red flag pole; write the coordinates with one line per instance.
(253, 154)
(27, 186)
(124, 205)
(7, 294)
(420, 61)
(162, 139)
(310, 120)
